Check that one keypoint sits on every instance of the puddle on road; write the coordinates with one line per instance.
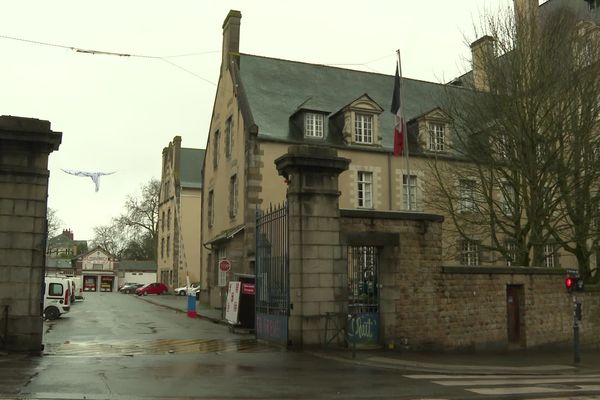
(160, 346)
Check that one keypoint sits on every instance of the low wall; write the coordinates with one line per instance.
(424, 305)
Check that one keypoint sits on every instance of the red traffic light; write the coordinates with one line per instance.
(569, 283)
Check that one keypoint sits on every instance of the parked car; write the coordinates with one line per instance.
(183, 291)
(57, 297)
(152, 288)
(130, 287)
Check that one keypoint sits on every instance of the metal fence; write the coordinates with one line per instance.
(272, 262)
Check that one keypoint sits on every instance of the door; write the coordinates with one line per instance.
(514, 314)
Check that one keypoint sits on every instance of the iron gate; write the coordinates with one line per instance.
(363, 295)
(272, 274)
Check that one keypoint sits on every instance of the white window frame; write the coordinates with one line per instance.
(470, 253)
(437, 136)
(466, 195)
(363, 128)
(511, 250)
(549, 254)
(314, 125)
(364, 186)
(508, 198)
(413, 192)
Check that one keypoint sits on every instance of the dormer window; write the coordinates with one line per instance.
(313, 125)
(437, 133)
(363, 128)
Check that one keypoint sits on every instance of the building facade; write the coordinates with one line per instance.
(98, 270)
(179, 246)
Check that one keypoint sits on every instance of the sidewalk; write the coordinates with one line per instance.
(180, 303)
(535, 362)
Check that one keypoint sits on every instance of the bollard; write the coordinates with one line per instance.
(191, 306)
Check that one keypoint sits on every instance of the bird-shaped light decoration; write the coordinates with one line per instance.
(94, 175)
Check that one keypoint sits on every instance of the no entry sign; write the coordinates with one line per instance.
(225, 265)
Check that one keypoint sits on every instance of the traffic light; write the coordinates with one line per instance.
(569, 283)
(573, 282)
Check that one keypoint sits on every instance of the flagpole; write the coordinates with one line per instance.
(405, 135)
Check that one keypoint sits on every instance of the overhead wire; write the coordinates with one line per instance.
(117, 54)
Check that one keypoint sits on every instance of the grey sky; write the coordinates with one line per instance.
(117, 113)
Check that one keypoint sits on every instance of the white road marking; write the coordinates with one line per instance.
(531, 390)
(493, 382)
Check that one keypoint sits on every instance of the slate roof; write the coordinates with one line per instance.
(134, 265)
(64, 240)
(275, 89)
(190, 165)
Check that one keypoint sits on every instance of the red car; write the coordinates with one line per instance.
(152, 288)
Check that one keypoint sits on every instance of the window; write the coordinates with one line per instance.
(233, 189)
(593, 4)
(365, 189)
(466, 195)
(363, 128)
(409, 185)
(511, 253)
(55, 289)
(216, 139)
(228, 137)
(162, 222)
(211, 211)
(168, 245)
(549, 256)
(97, 266)
(502, 147)
(313, 125)
(162, 247)
(508, 199)
(470, 253)
(436, 137)
(169, 219)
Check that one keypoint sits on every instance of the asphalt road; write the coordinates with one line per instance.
(114, 346)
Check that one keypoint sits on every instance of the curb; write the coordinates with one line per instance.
(198, 315)
(406, 365)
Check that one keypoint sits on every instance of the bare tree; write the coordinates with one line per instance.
(134, 233)
(523, 175)
(54, 223)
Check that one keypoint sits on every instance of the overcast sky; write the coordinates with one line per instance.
(117, 113)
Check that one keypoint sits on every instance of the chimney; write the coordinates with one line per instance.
(231, 38)
(176, 156)
(481, 52)
(68, 233)
(524, 9)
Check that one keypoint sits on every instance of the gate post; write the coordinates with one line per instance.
(317, 269)
(25, 144)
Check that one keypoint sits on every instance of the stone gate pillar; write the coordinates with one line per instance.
(25, 144)
(318, 272)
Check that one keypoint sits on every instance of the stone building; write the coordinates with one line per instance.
(179, 246)
(25, 145)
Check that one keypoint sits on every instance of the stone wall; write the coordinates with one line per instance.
(424, 305)
(24, 147)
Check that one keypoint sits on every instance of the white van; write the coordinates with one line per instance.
(57, 297)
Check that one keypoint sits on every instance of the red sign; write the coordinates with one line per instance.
(225, 265)
(248, 288)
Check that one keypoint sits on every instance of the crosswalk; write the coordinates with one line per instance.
(520, 385)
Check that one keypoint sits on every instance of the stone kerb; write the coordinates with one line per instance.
(25, 144)
(317, 277)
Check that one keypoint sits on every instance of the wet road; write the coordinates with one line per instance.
(114, 346)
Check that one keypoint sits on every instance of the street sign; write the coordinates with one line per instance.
(248, 288)
(225, 265)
